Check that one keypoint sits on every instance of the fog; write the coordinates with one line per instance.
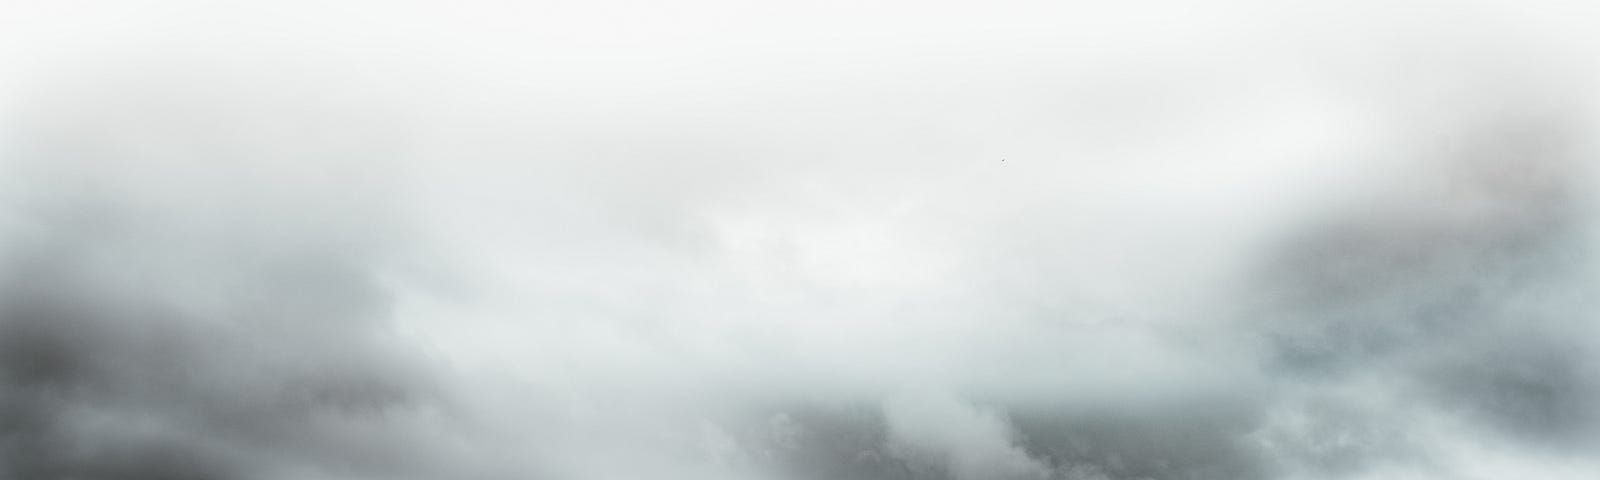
(886, 240)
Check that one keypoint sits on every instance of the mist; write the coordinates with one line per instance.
(833, 241)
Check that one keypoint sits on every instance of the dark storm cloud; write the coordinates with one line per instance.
(118, 378)
(1430, 266)
(150, 332)
(1474, 298)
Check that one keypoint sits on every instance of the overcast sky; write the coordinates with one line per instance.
(822, 240)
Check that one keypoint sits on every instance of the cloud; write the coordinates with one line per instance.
(581, 242)
(941, 433)
(165, 318)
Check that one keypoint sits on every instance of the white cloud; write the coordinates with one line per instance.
(618, 240)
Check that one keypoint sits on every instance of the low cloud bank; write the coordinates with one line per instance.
(451, 252)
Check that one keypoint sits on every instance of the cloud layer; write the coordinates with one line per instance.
(607, 241)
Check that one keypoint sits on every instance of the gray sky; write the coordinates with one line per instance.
(817, 241)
